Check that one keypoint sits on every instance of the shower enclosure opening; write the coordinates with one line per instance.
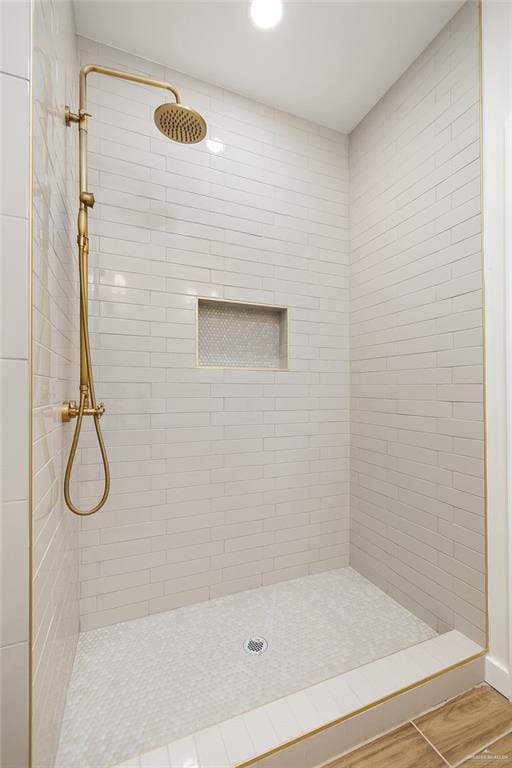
(284, 524)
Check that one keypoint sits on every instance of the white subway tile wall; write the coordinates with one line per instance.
(221, 480)
(417, 456)
(14, 374)
(55, 370)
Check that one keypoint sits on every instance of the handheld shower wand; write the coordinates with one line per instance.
(177, 122)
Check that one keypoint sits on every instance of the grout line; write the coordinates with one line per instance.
(26, 79)
(429, 742)
(484, 746)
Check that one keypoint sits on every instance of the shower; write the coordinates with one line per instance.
(179, 123)
(282, 312)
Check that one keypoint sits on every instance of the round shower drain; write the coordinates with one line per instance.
(255, 646)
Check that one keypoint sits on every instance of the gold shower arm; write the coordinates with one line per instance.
(130, 76)
(122, 76)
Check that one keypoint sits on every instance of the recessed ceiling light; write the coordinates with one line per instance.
(266, 13)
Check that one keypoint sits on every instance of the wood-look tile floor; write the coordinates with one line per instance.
(475, 729)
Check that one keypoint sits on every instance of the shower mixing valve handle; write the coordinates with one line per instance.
(70, 410)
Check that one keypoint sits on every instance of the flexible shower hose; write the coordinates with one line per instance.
(87, 403)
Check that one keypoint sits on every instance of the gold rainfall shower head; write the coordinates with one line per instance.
(180, 123)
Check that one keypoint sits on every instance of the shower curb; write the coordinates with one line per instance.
(313, 726)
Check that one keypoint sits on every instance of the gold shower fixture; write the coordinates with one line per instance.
(177, 122)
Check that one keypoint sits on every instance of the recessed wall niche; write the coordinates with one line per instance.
(233, 334)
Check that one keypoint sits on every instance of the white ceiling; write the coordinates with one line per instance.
(327, 62)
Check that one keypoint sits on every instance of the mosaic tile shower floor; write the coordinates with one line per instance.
(141, 684)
